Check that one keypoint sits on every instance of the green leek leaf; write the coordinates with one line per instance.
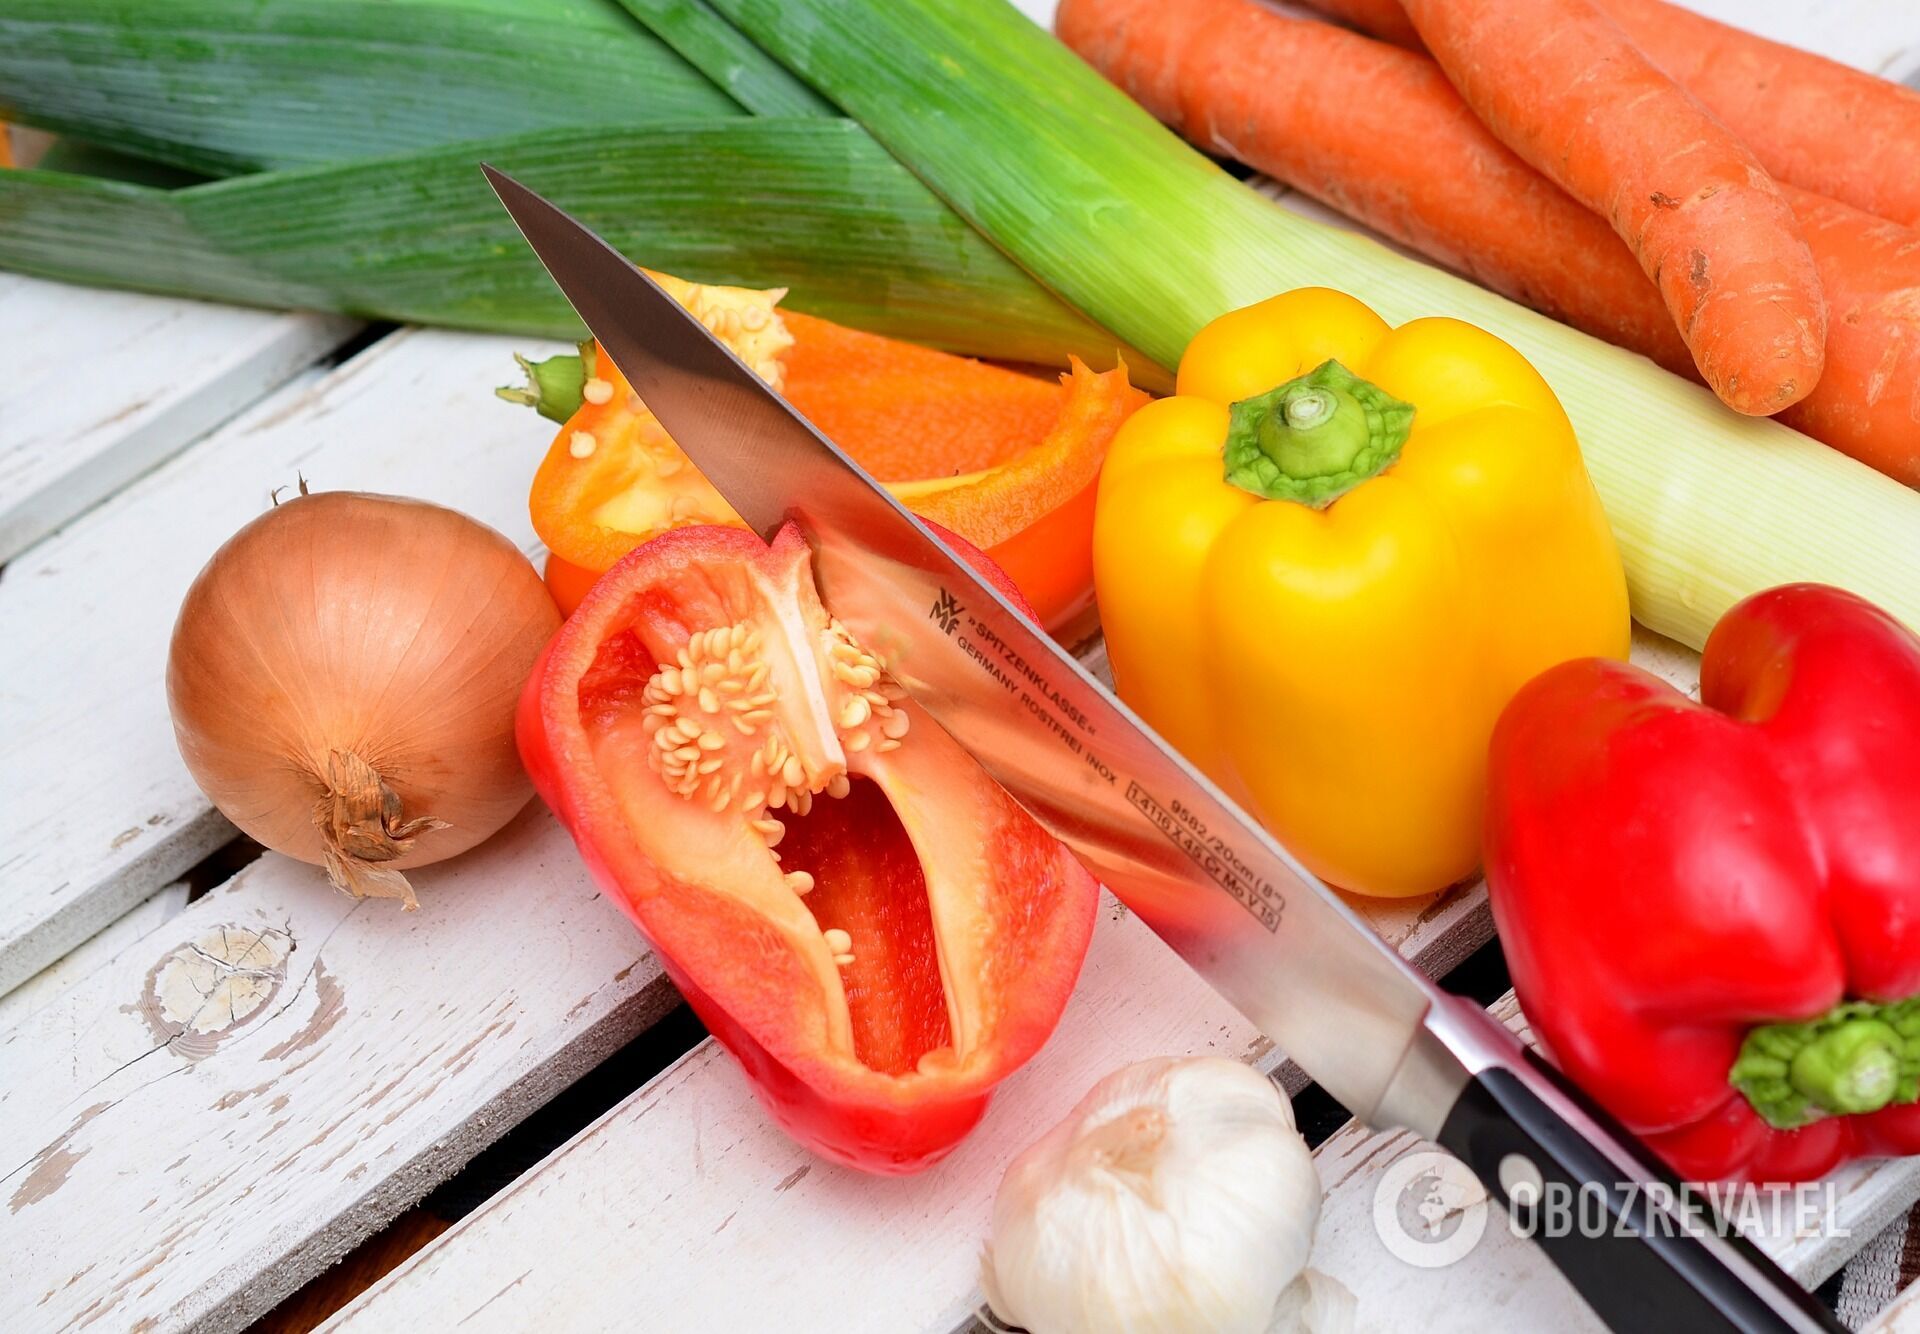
(723, 53)
(809, 203)
(227, 86)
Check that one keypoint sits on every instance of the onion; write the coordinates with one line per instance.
(343, 679)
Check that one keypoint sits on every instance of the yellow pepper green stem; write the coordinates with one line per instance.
(1858, 1057)
(1316, 437)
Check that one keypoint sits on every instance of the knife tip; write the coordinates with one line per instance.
(499, 180)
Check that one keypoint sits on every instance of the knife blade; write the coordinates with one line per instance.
(1282, 947)
(1285, 951)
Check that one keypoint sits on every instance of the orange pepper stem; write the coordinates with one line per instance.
(554, 387)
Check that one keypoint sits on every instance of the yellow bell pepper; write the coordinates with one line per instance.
(1326, 564)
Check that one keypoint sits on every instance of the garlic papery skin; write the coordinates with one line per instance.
(1176, 1197)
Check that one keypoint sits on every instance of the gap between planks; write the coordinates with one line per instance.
(50, 982)
(1902, 1315)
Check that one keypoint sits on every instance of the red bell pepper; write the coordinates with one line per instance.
(863, 917)
(1712, 911)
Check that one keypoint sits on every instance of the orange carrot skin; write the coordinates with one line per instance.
(1560, 84)
(1868, 402)
(1822, 125)
(1837, 131)
(1379, 134)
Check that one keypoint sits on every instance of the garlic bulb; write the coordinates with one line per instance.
(1178, 1196)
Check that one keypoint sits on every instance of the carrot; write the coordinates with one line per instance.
(1837, 131)
(1379, 134)
(1379, 18)
(1821, 125)
(1871, 270)
(6, 146)
(1560, 84)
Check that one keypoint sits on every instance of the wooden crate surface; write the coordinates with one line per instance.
(206, 1106)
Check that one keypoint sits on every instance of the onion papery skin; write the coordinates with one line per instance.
(343, 626)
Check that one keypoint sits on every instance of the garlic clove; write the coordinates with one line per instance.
(1314, 1303)
(1177, 1196)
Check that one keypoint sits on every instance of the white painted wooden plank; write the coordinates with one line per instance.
(100, 386)
(80, 961)
(96, 809)
(242, 1095)
(685, 1199)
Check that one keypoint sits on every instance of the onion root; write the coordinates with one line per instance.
(360, 826)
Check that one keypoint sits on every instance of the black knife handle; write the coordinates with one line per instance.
(1654, 1270)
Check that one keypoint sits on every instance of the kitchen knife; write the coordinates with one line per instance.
(1378, 1035)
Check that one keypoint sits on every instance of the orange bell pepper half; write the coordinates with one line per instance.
(1006, 460)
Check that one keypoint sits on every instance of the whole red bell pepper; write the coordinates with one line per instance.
(863, 917)
(1712, 910)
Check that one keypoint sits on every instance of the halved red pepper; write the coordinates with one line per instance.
(1712, 911)
(863, 917)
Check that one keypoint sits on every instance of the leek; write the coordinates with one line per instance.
(1133, 227)
(809, 203)
(724, 54)
(226, 86)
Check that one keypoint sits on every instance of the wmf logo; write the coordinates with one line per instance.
(946, 611)
(1429, 1209)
